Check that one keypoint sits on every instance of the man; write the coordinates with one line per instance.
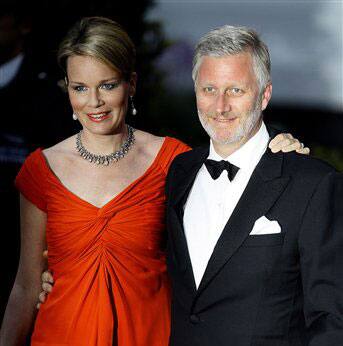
(280, 143)
(255, 239)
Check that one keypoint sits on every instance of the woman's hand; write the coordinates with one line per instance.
(47, 283)
(285, 142)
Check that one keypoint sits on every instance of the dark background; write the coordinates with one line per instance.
(35, 110)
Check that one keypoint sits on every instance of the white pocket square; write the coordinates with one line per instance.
(265, 226)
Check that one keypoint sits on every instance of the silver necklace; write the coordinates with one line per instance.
(106, 159)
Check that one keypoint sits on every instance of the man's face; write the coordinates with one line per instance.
(228, 98)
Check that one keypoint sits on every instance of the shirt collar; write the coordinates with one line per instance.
(9, 70)
(249, 154)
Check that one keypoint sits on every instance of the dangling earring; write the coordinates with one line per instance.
(133, 109)
(74, 116)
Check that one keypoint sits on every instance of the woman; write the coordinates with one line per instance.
(97, 200)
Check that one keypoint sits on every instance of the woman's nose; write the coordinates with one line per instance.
(95, 99)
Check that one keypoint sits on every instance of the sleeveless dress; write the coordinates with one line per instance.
(111, 285)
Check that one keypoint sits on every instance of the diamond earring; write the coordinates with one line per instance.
(74, 116)
(133, 109)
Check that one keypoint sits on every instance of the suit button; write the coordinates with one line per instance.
(194, 318)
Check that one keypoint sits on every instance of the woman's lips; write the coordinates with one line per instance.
(98, 117)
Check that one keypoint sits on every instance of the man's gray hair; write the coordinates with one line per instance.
(231, 40)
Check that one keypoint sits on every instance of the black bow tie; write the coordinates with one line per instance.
(215, 168)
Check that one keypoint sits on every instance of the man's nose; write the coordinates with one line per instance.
(95, 99)
(223, 103)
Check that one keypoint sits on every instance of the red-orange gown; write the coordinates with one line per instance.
(111, 285)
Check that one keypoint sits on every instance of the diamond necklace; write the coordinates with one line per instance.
(106, 159)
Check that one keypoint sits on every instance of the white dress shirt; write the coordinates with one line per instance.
(9, 70)
(211, 202)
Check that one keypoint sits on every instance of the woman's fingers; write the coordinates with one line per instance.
(285, 142)
(47, 277)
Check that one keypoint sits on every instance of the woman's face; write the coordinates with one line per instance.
(98, 94)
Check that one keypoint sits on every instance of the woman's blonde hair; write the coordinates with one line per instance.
(100, 38)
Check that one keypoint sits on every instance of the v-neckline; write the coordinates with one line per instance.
(112, 199)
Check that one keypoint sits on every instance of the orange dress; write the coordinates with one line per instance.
(111, 285)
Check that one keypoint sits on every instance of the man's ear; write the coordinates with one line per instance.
(266, 96)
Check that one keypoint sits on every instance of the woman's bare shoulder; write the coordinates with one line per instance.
(148, 138)
(148, 142)
(63, 149)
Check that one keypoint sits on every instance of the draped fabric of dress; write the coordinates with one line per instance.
(111, 285)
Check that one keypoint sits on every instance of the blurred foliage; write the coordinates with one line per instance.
(334, 156)
(175, 115)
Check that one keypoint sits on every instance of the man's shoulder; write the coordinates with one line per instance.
(306, 166)
(187, 158)
(192, 154)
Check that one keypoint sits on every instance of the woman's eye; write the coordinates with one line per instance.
(109, 86)
(79, 88)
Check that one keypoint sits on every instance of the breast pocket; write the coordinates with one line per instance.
(264, 240)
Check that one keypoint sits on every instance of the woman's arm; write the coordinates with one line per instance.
(21, 308)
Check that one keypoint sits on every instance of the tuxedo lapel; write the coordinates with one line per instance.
(184, 176)
(265, 186)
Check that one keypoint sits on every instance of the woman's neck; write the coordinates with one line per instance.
(104, 144)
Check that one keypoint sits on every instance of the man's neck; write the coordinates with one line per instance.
(225, 150)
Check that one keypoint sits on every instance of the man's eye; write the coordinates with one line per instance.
(109, 86)
(208, 89)
(79, 88)
(236, 91)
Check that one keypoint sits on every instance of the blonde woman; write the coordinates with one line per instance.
(96, 200)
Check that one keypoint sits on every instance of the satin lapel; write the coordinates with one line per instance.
(185, 173)
(262, 191)
(184, 176)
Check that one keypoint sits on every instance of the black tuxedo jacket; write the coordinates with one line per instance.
(281, 289)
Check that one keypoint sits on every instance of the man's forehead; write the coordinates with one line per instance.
(239, 65)
(227, 58)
